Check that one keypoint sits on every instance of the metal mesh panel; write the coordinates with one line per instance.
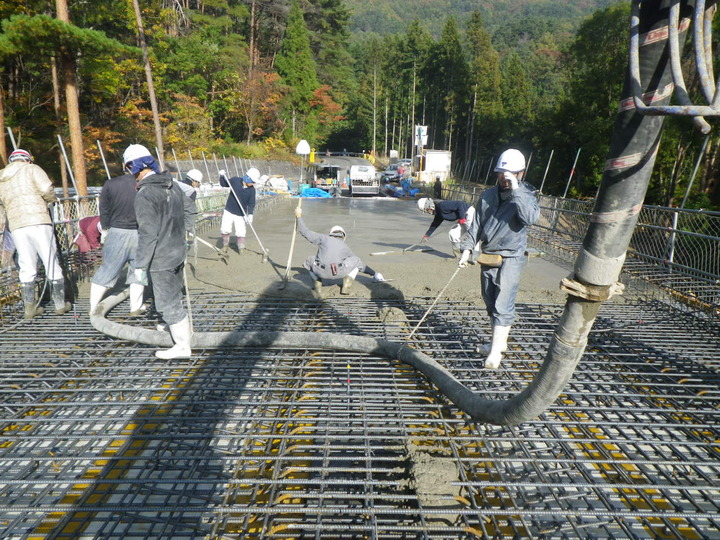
(102, 440)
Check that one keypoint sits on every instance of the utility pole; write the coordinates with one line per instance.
(151, 86)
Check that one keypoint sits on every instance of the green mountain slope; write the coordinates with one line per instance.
(393, 16)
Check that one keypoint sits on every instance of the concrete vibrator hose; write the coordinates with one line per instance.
(501, 412)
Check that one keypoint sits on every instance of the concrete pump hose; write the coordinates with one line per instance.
(525, 406)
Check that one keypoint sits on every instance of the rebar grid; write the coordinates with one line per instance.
(102, 440)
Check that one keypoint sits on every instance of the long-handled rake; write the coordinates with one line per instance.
(223, 256)
(286, 277)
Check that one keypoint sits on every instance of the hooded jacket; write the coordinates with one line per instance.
(501, 226)
(164, 214)
(25, 192)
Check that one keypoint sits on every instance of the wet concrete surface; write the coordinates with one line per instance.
(373, 225)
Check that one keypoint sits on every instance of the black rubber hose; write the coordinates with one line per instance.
(517, 409)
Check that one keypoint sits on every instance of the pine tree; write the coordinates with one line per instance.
(298, 72)
(486, 105)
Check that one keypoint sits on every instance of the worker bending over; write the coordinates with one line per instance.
(459, 211)
(334, 259)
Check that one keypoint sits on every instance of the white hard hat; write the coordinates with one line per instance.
(426, 204)
(195, 175)
(337, 231)
(253, 173)
(135, 151)
(20, 154)
(510, 160)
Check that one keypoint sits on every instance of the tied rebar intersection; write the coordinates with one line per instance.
(102, 440)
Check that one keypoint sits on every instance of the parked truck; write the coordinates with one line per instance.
(325, 175)
(363, 180)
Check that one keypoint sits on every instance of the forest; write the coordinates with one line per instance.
(250, 78)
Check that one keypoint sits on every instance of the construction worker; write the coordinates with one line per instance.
(458, 211)
(239, 208)
(502, 215)
(164, 216)
(190, 184)
(119, 239)
(334, 259)
(437, 188)
(25, 192)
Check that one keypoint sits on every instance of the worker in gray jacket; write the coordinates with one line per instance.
(334, 259)
(164, 215)
(502, 215)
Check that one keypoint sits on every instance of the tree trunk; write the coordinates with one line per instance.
(58, 122)
(72, 104)
(3, 146)
(151, 86)
(253, 55)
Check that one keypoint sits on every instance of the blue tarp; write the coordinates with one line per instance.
(314, 192)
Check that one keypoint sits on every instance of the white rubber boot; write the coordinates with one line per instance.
(181, 334)
(57, 291)
(96, 294)
(499, 346)
(137, 307)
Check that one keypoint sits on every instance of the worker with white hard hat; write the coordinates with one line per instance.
(25, 192)
(190, 184)
(458, 211)
(239, 208)
(502, 216)
(164, 216)
(119, 239)
(334, 258)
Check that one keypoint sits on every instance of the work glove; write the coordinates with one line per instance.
(464, 259)
(424, 239)
(141, 276)
(298, 213)
(103, 235)
(223, 173)
(512, 179)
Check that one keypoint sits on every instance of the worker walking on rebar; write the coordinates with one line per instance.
(502, 215)
(239, 208)
(458, 211)
(334, 259)
(164, 216)
(119, 240)
(25, 192)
